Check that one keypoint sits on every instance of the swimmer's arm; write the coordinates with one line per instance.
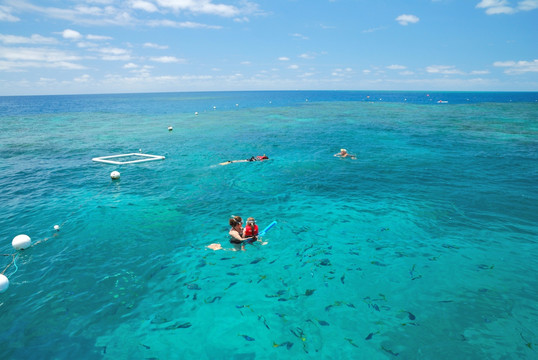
(238, 237)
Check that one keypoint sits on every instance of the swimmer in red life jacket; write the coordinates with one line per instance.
(251, 230)
(254, 158)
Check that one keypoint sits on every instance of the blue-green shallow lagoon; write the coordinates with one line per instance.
(425, 247)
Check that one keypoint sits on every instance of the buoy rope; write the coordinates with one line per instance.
(15, 254)
(11, 263)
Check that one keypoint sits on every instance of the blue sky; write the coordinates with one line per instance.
(110, 46)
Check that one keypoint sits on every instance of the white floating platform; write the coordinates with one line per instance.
(145, 157)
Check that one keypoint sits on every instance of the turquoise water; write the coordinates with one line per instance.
(425, 247)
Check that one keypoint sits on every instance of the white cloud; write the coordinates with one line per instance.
(396, 67)
(527, 5)
(518, 67)
(443, 69)
(494, 7)
(284, 58)
(293, 67)
(114, 54)
(155, 46)
(181, 25)
(71, 34)
(367, 31)
(299, 36)
(34, 39)
(109, 15)
(5, 15)
(307, 56)
(167, 59)
(405, 19)
(83, 78)
(341, 72)
(86, 44)
(479, 72)
(23, 57)
(98, 37)
(144, 5)
(130, 66)
(201, 7)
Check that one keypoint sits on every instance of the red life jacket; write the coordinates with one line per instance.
(248, 230)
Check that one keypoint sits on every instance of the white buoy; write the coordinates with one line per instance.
(57, 227)
(4, 283)
(115, 175)
(170, 128)
(21, 242)
(196, 113)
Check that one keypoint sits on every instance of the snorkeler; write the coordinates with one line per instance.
(236, 231)
(253, 158)
(343, 153)
(251, 230)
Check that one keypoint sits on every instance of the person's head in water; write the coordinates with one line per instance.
(235, 220)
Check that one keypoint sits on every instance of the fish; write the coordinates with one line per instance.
(147, 347)
(213, 300)
(231, 284)
(193, 287)
(288, 344)
(323, 323)
(247, 338)
(342, 278)
(262, 277)
(384, 229)
(389, 351)
(375, 262)
(325, 262)
(300, 334)
(232, 273)
(370, 335)
(375, 307)
(412, 270)
(260, 317)
(256, 261)
(411, 316)
(159, 320)
(351, 342)
(309, 292)
(177, 325)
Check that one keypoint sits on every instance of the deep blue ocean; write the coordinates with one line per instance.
(423, 247)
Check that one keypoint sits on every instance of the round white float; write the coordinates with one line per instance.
(170, 128)
(21, 242)
(196, 113)
(57, 227)
(4, 283)
(115, 175)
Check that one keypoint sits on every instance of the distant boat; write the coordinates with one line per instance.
(442, 102)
